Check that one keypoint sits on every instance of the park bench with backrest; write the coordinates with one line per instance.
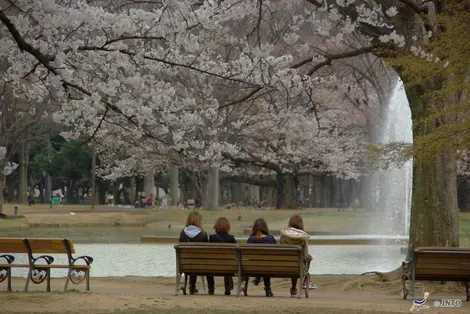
(204, 259)
(437, 264)
(39, 266)
(242, 260)
(271, 260)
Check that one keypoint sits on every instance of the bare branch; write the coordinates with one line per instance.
(342, 55)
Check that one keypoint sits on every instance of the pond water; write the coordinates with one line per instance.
(85, 235)
(150, 260)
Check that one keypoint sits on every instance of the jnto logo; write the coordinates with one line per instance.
(420, 304)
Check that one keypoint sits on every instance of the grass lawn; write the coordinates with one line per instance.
(464, 226)
(315, 219)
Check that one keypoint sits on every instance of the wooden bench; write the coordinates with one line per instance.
(271, 260)
(39, 267)
(242, 260)
(204, 259)
(437, 264)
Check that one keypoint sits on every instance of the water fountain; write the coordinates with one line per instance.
(393, 191)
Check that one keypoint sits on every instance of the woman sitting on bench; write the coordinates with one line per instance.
(193, 232)
(295, 234)
(260, 234)
(221, 235)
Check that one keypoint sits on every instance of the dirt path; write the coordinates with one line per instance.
(157, 295)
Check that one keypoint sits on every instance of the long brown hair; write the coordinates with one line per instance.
(296, 222)
(260, 228)
(195, 219)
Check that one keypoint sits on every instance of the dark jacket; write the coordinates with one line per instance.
(222, 237)
(269, 239)
(193, 234)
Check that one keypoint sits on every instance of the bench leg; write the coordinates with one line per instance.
(467, 292)
(28, 279)
(185, 284)
(301, 287)
(403, 285)
(239, 285)
(245, 290)
(48, 283)
(87, 288)
(67, 280)
(178, 280)
(203, 279)
(9, 279)
(412, 288)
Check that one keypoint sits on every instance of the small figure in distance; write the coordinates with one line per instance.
(221, 235)
(260, 234)
(341, 203)
(193, 232)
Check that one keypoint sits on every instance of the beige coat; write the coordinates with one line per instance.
(296, 237)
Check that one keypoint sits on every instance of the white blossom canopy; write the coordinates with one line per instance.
(202, 83)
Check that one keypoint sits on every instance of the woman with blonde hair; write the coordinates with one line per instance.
(193, 232)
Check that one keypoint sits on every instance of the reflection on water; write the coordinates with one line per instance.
(149, 260)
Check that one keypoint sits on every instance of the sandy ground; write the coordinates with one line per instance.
(157, 294)
(136, 295)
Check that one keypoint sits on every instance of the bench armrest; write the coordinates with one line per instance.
(49, 259)
(9, 258)
(88, 259)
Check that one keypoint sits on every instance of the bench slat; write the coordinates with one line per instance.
(42, 266)
(462, 267)
(270, 263)
(260, 270)
(440, 271)
(265, 257)
(204, 268)
(12, 245)
(187, 261)
(208, 250)
(49, 246)
(270, 252)
(14, 265)
(205, 256)
(457, 257)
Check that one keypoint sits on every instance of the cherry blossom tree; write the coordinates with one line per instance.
(161, 78)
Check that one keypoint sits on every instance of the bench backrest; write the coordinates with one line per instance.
(271, 259)
(12, 245)
(37, 246)
(50, 246)
(442, 263)
(207, 258)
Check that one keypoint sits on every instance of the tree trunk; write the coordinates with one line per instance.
(212, 201)
(306, 190)
(70, 195)
(174, 185)
(434, 217)
(314, 199)
(23, 175)
(321, 189)
(286, 191)
(133, 195)
(149, 184)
